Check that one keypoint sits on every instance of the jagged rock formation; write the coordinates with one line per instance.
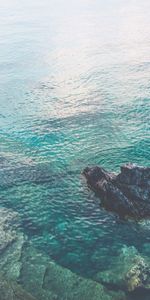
(127, 194)
(130, 272)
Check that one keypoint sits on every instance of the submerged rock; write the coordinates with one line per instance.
(38, 275)
(130, 271)
(11, 244)
(13, 291)
(8, 223)
(49, 281)
(68, 285)
(127, 194)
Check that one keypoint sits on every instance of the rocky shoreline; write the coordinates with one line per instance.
(126, 193)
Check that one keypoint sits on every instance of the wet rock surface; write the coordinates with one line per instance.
(127, 194)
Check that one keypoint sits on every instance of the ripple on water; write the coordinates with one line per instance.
(75, 92)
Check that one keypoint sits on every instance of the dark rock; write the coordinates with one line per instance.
(134, 175)
(127, 193)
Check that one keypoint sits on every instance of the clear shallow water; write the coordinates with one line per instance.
(74, 91)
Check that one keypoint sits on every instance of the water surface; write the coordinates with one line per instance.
(75, 91)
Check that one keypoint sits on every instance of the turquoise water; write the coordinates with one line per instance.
(75, 91)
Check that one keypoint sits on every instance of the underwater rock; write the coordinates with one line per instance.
(34, 264)
(8, 221)
(130, 271)
(13, 291)
(11, 243)
(53, 282)
(127, 194)
(71, 286)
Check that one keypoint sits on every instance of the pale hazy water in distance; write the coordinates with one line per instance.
(74, 90)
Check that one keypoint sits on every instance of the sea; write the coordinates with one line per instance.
(74, 92)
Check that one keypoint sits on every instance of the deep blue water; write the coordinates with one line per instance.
(75, 91)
